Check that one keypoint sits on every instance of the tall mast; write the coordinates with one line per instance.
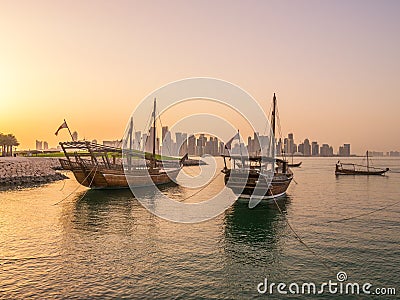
(154, 132)
(273, 121)
(367, 162)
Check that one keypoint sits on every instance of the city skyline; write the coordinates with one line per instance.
(201, 143)
(93, 62)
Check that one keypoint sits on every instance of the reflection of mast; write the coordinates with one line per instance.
(367, 162)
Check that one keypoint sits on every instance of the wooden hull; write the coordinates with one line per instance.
(352, 172)
(96, 177)
(295, 165)
(276, 188)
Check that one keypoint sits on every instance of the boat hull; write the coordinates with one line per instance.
(102, 178)
(257, 186)
(351, 172)
(295, 165)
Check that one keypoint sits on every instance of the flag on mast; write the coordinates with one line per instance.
(63, 125)
(228, 144)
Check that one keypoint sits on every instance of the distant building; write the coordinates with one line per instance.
(192, 145)
(94, 141)
(375, 153)
(326, 150)
(344, 150)
(115, 144)
(75, 136)
(394, 153)
(307, 147)
(314, 149)
(45, 146)
(39, 145)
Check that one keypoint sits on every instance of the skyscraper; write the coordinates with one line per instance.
(192, 145)
(314, 149)
(75, 136)
(307, 147)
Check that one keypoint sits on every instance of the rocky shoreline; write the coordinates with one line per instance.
(18, 171)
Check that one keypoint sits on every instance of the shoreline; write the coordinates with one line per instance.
(22, 171)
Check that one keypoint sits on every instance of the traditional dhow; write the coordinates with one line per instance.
(355, 169)
(100, 167)
(247, 177)
(258, 176)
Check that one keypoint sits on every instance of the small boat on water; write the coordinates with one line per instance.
(250, 176)
(101, 167)
(355, 169)
(295, 165)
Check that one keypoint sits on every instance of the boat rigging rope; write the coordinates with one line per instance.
(363, 214)
(95, 170)
(202, 188)
(319, 257)
(63, 183)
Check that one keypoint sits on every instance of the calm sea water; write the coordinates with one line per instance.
(106, 245)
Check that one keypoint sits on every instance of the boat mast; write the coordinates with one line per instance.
(273, 122)
(367, 162)
(154, 134)
(273, 115)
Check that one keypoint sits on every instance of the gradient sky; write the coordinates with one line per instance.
(335, 65)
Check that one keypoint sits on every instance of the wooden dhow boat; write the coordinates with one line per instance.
(101, 167)
(355, 169)
(248, 177)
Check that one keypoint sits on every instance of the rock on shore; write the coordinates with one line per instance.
(28, 170)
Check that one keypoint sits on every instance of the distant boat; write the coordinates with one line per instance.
(100, 167)
(355, 169)
(294, 165)
(246, 178)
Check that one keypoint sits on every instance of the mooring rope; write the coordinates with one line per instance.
(319, 257)
(363, 214)
(202, 188)
(78, 186)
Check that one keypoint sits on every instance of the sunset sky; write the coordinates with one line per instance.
(335, 65)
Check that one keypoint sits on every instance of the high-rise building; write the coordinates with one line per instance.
(137, 144)
(290, 144)
(167, 141)
(307, 147)
(314, 149)
(344, 150)
(39, 145)
(45, 146)
(326, 150)
(192, 145)
(75, 136)
(300, 148)
(347, 149)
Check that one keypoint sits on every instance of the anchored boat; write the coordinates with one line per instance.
(250, 176)
(97, 166)
(355, 169)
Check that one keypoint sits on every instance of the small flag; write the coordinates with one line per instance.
(63, 125)
(228, 145)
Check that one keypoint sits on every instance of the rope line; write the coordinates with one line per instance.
(78, 186)
(319, 257)
(202, 188)
(363, 214)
